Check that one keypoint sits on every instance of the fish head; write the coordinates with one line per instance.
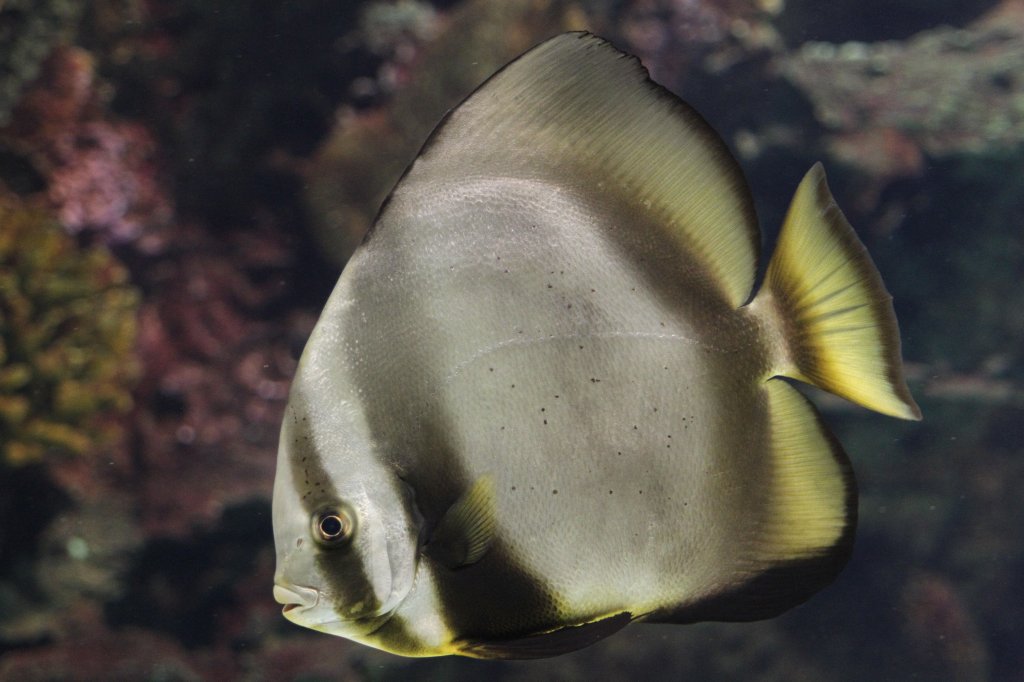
(345, 527)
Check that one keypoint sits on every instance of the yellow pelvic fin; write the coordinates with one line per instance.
(464, 533)
(831, 309)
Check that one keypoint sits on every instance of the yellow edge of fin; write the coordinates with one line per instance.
(831, 308)
(812, 481)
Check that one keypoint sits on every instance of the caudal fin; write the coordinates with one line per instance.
(830, 307)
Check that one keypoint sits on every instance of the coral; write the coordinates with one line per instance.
(945, 90)
(676, 37)
(71, 566)
(386, 25)
(87, 550)
(101, 174)
(232, 86)
(67, 336)
(217, 356)
(29, 30)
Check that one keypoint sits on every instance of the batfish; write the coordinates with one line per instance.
(546, 399)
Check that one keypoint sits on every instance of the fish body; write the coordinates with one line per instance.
(544, 400)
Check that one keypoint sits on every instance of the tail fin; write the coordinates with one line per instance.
(832, 310)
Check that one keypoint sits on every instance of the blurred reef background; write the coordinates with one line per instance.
(181, 182)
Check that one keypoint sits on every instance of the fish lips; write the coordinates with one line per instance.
(302, 606)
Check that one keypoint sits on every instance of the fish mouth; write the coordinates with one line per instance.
(296, 597)
(299, 606)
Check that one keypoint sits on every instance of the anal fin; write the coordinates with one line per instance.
(546, 644)
(805, 536)
(814, 496)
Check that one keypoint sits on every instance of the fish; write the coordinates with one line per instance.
(546, 400)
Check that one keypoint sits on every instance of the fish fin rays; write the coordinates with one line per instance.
(828, 302)
(585, 118)
(813, 499)
(544, 645)
(806, 535)
(465, 532)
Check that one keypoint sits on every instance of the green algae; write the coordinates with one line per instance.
(67, 340)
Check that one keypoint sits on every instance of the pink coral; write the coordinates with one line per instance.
(101, 174)
(675, 37)
(103, 177)
(215, 382)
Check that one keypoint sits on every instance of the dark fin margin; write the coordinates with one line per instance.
(548, 644)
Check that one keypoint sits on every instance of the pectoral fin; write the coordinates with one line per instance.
(465, 532)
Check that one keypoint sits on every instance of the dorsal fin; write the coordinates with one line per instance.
(582, 115)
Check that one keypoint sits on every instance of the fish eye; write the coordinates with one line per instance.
(333, 526)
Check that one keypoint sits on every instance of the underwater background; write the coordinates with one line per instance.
(181, 182)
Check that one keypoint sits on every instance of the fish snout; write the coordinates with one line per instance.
(295, 597)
